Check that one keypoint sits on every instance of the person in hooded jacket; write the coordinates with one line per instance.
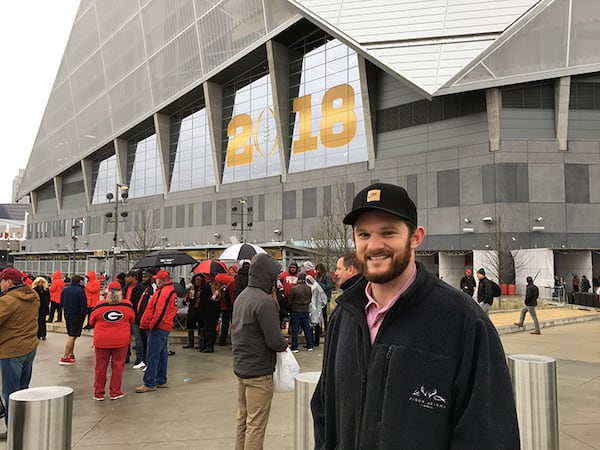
(256, 338)
(241, 280)
(112, 333)
(410, 362)
(56, 286)
(40, 286)
(19, 308)
(92, 294)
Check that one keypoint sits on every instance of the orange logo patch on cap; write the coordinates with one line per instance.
(374, 195)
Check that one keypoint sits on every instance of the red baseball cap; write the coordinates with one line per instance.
(162, 275)
(10, 273)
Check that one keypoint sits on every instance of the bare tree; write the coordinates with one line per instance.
(330, 237)
(504, 259)
(143, 238)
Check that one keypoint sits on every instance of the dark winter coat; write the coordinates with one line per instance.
(300, 297)
(255, 333)
(531, 295)
(435, 377)
(485, 293)
(241, 281)
(74, 302)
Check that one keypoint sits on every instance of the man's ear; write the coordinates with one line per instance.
(417, 237)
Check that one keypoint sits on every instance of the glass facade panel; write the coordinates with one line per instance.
(191, 152)
(104, 173)
(251, 142)
(144, 166)
(328, 120)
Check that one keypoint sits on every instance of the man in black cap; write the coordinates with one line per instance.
(485, 293)
(409, 361)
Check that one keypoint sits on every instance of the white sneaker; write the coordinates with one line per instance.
(144, 369)
(140, 365)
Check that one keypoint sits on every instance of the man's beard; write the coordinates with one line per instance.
(399, 263)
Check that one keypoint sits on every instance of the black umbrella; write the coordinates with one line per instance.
(164, 258)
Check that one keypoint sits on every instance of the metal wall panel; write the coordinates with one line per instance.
(123, 52)
(130, 98)
(165, 19)
(229, 28)
(87, 82)
(94, 124)
(84, 39)
(527, 124)
(175, 66)
(60, 107)
(113, 14)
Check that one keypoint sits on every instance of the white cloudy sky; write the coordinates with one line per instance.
(33, 37)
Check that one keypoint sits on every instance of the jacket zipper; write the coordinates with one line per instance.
(386, 369)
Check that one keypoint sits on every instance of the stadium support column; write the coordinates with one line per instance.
(562, 92)
(277, 56)
(86, 171)
(492, 100)
(58, 190)
(162, 127)
(368, 83)
(213, 99)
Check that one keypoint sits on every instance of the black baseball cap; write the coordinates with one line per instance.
(385, 197)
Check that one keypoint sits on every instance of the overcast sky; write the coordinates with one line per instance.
(33, 37)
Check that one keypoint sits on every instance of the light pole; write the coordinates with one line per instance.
(122, 189)
(248, 213)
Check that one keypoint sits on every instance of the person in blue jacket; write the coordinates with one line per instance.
(409, 361)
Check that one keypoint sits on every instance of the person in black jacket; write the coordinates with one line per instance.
(485, 293)
(410, 362)
(147, 292)
(241, 279)
(346, 270)
(531, 295)
(468, 283)
(40, 286)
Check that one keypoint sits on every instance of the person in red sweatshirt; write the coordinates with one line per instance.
(158, 321)
(92, 294)
(112, 333)
(56, 287)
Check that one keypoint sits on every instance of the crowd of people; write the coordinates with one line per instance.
(402, 345)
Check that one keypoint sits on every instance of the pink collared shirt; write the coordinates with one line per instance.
(375, 314)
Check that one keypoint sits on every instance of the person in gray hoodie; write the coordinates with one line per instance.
(256, 338)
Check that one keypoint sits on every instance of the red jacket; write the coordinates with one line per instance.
(156, 305)
(112, 325)
(227, 282)
(92, 289)
(56, 286)
(288, 281)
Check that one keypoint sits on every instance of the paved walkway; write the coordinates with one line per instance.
(197, 410)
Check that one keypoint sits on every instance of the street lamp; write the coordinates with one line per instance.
(241, 213)
(74, 227)
(122, 189)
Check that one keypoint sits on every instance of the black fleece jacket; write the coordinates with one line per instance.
(435, 378)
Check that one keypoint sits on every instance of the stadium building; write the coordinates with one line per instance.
(487, 111)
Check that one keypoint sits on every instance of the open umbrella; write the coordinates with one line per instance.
(164, 258)
(241, 251)
(210, 266)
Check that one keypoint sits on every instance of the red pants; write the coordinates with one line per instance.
(117, 365)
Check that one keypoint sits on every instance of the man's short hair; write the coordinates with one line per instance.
(349, 259)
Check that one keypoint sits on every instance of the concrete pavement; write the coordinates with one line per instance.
(200, 413)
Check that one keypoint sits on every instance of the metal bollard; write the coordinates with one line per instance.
(534, 383)
(40, 418)
(304, 435)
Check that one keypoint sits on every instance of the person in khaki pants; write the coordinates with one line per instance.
(256, 338)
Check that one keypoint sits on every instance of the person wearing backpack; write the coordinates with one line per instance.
(485, 294)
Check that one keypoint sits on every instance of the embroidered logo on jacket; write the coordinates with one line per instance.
(429, 399)
(112, 315)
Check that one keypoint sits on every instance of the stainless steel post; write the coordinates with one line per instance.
(40, 418)
(304, 437)
(534, 384)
